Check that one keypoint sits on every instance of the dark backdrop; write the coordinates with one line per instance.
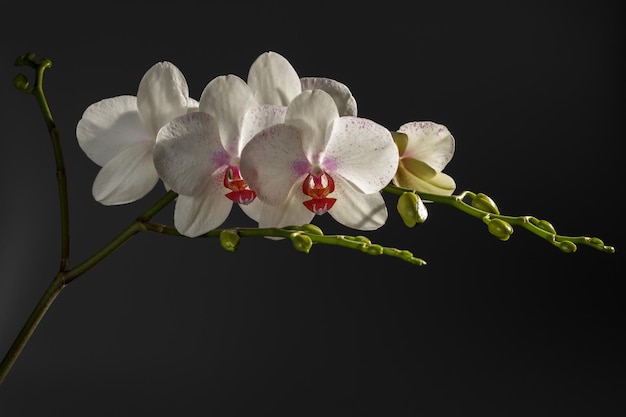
(532, 94)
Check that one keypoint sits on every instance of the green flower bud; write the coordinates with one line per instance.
(21, 82)
(229, 239)
(500, 229)
(596, 241)
(485, 203)
(312, 229)
(411, 209)
(374, 249)
(301, 242)
(363, 239)
(25, 59)
(545, 225)
(567, 246)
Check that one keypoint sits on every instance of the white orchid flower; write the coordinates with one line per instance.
(318, 161)
(198, 155)
(119, 133)
(425, 149)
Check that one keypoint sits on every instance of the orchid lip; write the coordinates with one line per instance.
(240, 191)
(318, 186)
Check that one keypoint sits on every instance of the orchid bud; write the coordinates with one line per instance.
(500, 229)
(312, 229)
(301, 242)
(374, 249)
(411, 209)
(485, 203)
(25, 59)
(596, 241)
(21, 82)
(567, 246)
(229, 239)
(363, 239)
(547, 226)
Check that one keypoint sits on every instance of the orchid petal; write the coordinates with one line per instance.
(363, 152)
(272, 161)
(417, 168)
(313, 112)
(206, 210)
(163, 94)
(187, 151)
(192, 105)
(257, 119)
(357, 210)
(440, 183)
(429, 142)
(108, 126)
(346, 104)
(290, 213)
(273, 79)
(228, 98)
(127, 177)
(253, 210)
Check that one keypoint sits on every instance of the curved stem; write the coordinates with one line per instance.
(37, 92)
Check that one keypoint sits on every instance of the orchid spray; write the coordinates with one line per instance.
(284, 148)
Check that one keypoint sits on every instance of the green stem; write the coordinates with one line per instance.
(63, 278)
(534, 225)
(37, 92)
(359, 243)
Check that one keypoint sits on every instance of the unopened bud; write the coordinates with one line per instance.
(547, 226)
(21, 82)
(485, 203)
(312, 229)
(500, 229)
(411, 209)
(229, 239)
(567, 246)
(374, 249)
(301, 242)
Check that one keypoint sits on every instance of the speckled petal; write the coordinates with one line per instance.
(187, 151)
(258, 118)
(429, 142)
(363, 152)
(272, 161)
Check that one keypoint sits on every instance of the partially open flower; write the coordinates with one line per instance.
(425, 149)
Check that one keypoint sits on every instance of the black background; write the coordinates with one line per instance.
(532, 93)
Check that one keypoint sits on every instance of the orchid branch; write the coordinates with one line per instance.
(302, 237)
(64, 277)
(483, 207)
